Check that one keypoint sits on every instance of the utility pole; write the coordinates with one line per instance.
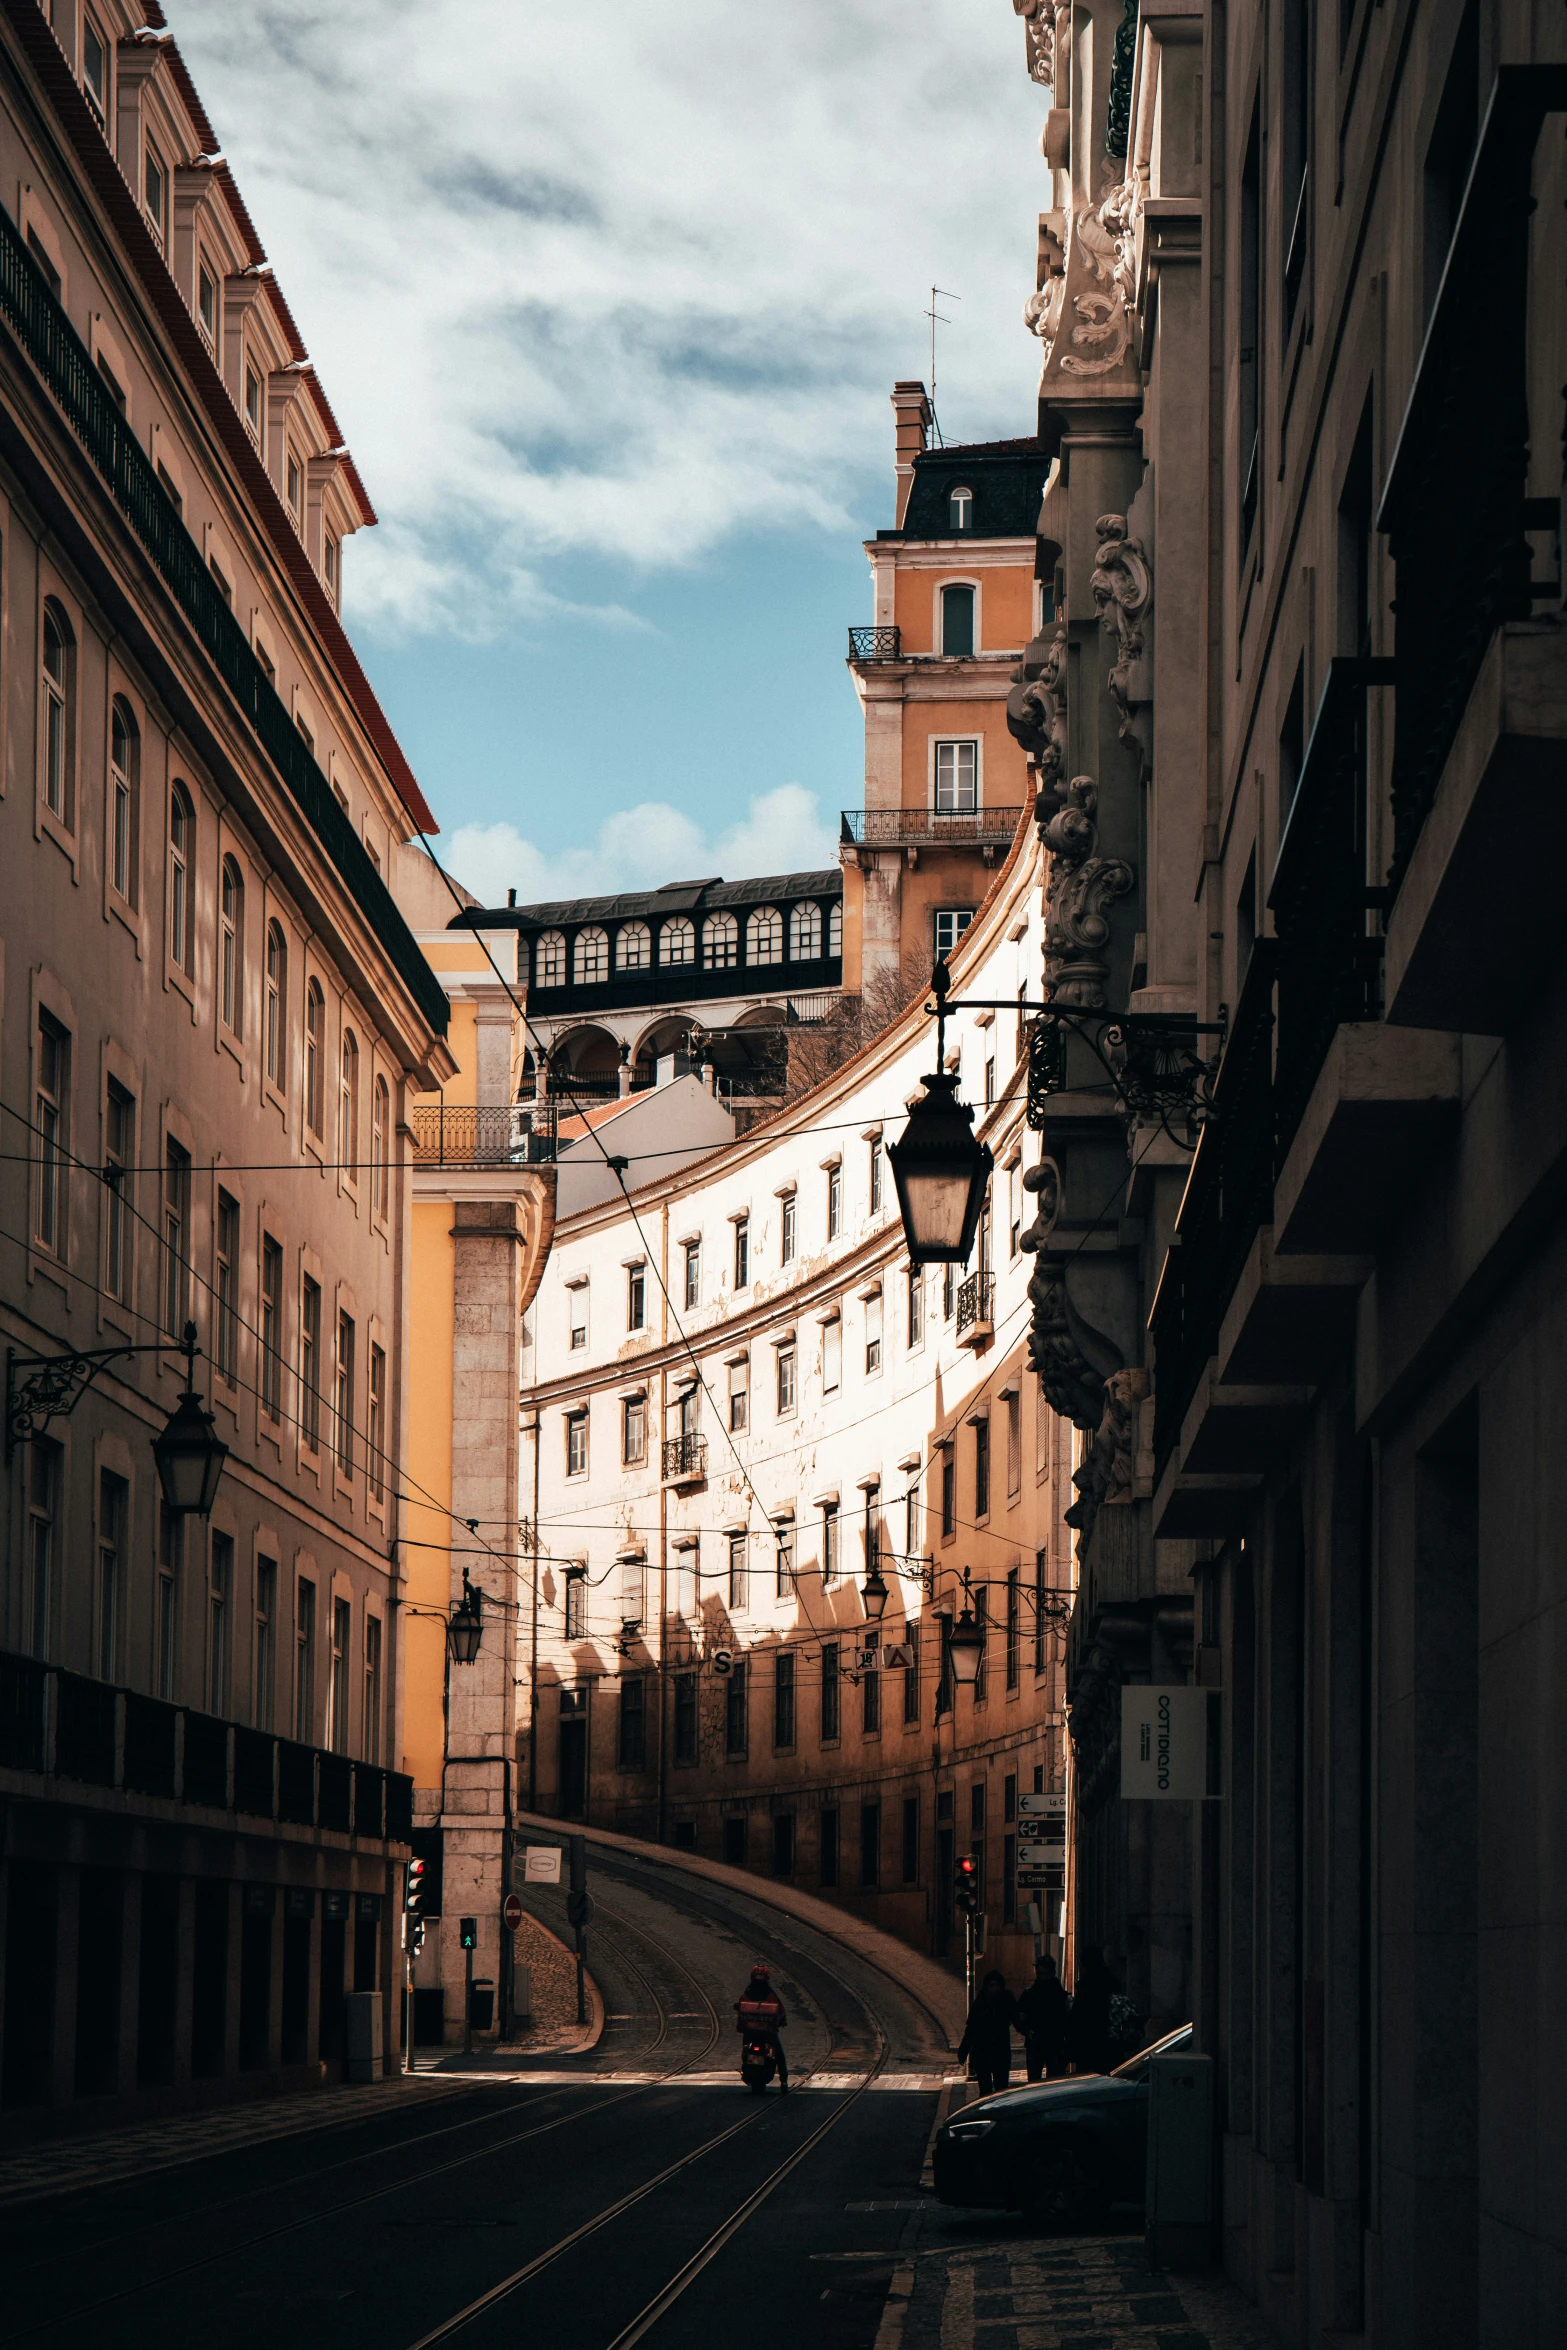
(579, 1910)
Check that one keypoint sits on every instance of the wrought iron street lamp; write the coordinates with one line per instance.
(874, 1594)
(465, 1626)
(190, 1453)
(941, 1172)
(966, 1645)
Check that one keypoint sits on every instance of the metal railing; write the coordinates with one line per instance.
(66, 366)
(68, 1726)
(976, 1302)
(684, 1456)
(891, 827)
(873, 644)
(508, 1134)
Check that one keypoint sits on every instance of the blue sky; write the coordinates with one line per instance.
(609, 303)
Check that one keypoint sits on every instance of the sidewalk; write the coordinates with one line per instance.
(1061, 2293)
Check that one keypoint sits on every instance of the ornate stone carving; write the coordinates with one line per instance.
(1044, 1181)
(1067, 1379)
(1039, 27)
(1082, 885)
(1036, 713)
(1122, 588)
(1105, 237)
(1109, 1474)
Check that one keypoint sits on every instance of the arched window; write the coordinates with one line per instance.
(957, 620)
(590, 957)
(720, 942)
(348, 1108)
(124, 800)
(315, 1065)
(59, 648)
(805, 934)
(182, 890)
(231, 948)
(633, 947)
(549, 960)
(277, 1004)
(677, 941)
(764, 936)
(960, 509)
(835, 929)
(380, 1128)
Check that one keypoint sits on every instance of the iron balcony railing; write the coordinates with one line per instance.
(68, 1726)
(63, 361)
(976, 1302)
(457, 1134)
(684, 1456)
(893, 827)
(873, 644)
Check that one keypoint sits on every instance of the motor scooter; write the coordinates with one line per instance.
(758, 2060)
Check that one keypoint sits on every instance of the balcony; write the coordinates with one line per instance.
(510, 1134)
(976, 1310)
(873, 644)
(685, 1461)
(896, 828)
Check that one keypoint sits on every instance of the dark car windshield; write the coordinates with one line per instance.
(1136, 2066)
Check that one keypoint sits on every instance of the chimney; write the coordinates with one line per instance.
(912, 410)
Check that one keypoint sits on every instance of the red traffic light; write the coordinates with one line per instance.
(967, 1881)
(413, 1879)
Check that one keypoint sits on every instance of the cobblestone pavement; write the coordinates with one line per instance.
(1070, 2293)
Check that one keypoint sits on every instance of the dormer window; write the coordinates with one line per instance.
(253, 402)
(960, 509)
(296, 486)
(156, 189)
(329, 564)
(95, 69)
(207, 304)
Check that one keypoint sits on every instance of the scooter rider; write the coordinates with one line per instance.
(766, 2017)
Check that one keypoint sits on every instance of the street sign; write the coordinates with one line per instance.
(579, 1908)
(723, 1660)
(511, 1913)
(864, 1660)
(1164, 1744)
(541, 1865)
(898, 1656)
(1043, 1807)
(1039, 1856)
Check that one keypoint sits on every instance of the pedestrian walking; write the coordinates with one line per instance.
(1044, 2017)
(987, 2036)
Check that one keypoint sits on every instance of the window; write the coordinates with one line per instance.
(916, 1320)
(832, 1691)
(220, 1591)
(631, 1742)
(271, 1326)
(171, 1557)
(577, 1316)
(911, 1839)
(45, 260)
(380, 1164)
(764, 936)
(1013, 1629)
(1014, 1404)
(870, 1845)
(253, 402)
(739, 1573)
(1296, 191)
(735, 1712)
(789, 1225)
(231, 948)
(693, 1276)
(343, 1394)
(957, 621)
(58, 713)
(305, 1662)
(266, 1638)
(875, 1174)
(375, 1430)
(960, 509)
(182, 891)
(1041, 1586)
(739, 1397)
(1450, 152)
(981, 1625)
(949, 1497)
(911, 1677)
(832, 1356)
(296, 487)
(171, 489)
(834, 1202)
(337, 1693)
(43, 1504)
(330, 558)
(114, 1499)
(95, 69)
(124, 801)
(951, 922)
(677, 941)
(224, 587)
(348, 1107)
(957, 778)
(783, 1844)
(315, 1058)
(633, 1431)
(590, 957)
(51, 1118)
(911, 1522)
(982, 1468)
(872, 1335)
(870, 1702)
(310, 1363)
(720, 943)
(549, 960)
(176, 1237)
(372, 1747)
(226, 1287)
(786, 1366)
(636, 1297)
(783, 1697)
(805, 934)
(685, 1717)
(116, 389)
(155, 185)
(576, 1444)
(783, 1562)
(633, 947)
(949, 1290)
(1015, 1203)
(576, 1603)
(829, 1541)
(1250, 442)
(276, 1039)
(835, 931)
(828, 1869)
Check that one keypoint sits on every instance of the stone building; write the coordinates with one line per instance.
(212, 1017)
(1301, 311)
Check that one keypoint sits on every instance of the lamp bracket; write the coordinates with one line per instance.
(41, 1388)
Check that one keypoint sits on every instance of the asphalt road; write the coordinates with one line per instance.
(561, 2197)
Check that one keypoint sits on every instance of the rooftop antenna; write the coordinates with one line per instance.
(937, 318)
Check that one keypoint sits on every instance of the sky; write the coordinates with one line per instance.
(609, 301)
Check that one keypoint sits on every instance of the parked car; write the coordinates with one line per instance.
(1061, 2151)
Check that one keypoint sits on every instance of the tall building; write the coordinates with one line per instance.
(212, 1018)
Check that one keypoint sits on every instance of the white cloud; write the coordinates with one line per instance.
(619, 282)
(642, 847)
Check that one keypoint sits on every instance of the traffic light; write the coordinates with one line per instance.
(413, 1884)
(413, 1937)
(966, 1890)
(468, 1933)
(423, 1873)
